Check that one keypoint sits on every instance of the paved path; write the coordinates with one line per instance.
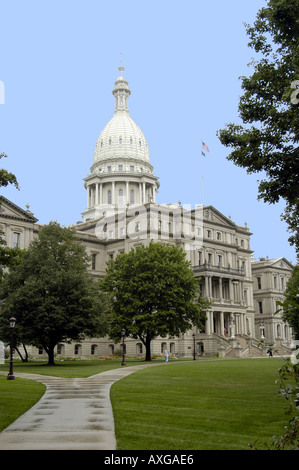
(73, 414)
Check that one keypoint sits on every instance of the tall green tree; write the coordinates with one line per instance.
(51, 293)
(153, 293)
(267, 141)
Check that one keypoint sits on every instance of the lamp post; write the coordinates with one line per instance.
(194, 357)
(123, 332)
(12, 323)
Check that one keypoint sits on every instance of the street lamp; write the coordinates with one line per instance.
(123, 332)
(194, 358)
(12, 323)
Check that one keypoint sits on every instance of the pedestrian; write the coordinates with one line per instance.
(166, 354)
(270, 352)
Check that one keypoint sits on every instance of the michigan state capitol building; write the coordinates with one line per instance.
(122, 212)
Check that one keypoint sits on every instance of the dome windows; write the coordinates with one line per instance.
(120, 141)
(131, 141)
(110, 141)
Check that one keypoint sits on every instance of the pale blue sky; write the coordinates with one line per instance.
(59, 61)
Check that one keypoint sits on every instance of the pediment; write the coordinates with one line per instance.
(9, 210)
(211, 214)
(282, 263)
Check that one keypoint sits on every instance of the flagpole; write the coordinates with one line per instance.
(204, 147)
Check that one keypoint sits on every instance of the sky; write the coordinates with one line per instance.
(58, 64)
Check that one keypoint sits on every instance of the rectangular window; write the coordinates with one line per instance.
(93, 261)
(260, 304)
(259, 283)
(15, 240)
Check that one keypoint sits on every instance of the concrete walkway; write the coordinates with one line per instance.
(73, 414)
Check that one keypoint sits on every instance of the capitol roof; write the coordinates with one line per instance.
(121, 137)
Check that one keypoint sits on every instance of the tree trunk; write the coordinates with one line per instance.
(50, 352)
(148, 348)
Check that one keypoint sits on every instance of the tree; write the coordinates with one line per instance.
(291, 302)
(269, 109)
(6, 177)
(153, 293)
(51, 294)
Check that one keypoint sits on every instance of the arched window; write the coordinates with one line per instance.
(93, 349)
(120, 196)
(77, 349)
(132, 196)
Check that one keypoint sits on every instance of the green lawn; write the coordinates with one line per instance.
(191, 405)
(202, 405)
(16, 397)
(71, 369)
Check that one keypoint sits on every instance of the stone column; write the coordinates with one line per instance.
(231, 290)
(140, 194)
(208, 327)
(127, 193)
(101, 194)
(113, 193)
(88, 197)
(221, 324)
(97, 194)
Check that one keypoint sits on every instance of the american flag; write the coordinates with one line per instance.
(205, 147)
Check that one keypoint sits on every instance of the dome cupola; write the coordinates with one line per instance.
(121, 174)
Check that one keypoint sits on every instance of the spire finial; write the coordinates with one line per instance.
(121, 67)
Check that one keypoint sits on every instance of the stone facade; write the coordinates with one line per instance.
(270, 277)
(122, 212)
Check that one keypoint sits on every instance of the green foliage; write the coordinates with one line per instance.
(289, 381)
(153, 293)
(268, 140)
(6, 177)
(51, 294)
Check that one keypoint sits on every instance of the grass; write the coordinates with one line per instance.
(70, 369)
(195, 405)
(16, 397)
(202, 405)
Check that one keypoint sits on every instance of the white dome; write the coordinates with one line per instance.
(121, 138)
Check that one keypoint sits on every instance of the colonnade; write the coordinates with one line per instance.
(227, 323)
(223, 289)
(96, 197)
